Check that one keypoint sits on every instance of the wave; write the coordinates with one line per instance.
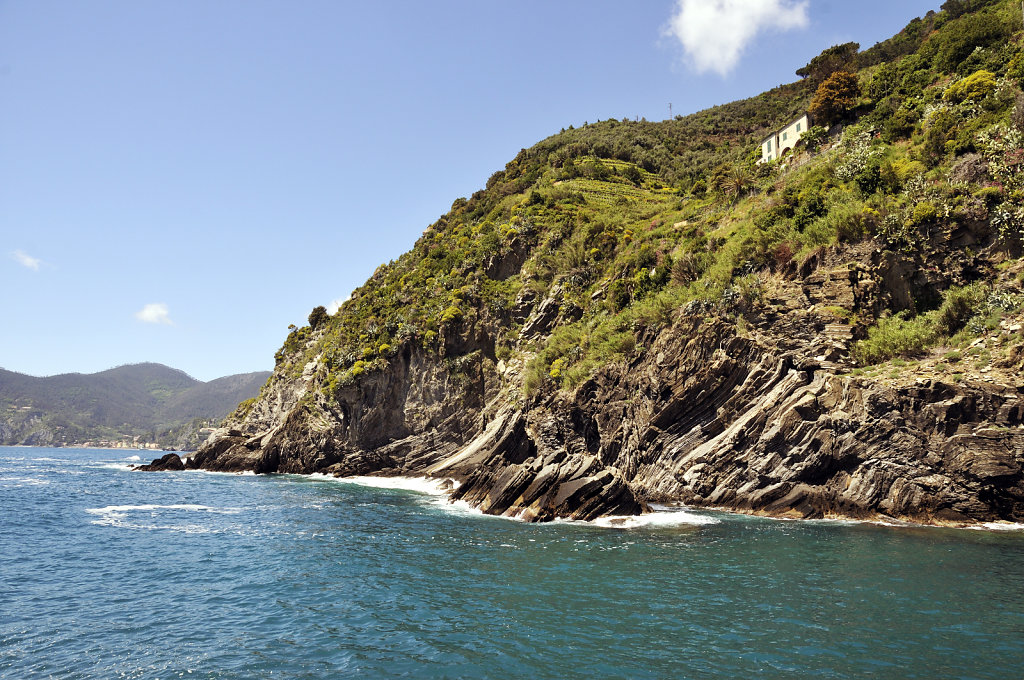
(661, 518)
(998, 526)
(426, 485)
(134, 516)
(151, 507)
(134, 458)
(111, 465)
(18, 482)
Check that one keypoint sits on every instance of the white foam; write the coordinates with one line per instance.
(244, 473)
(151, 507)
(426, 485)
(135, 458)
(113, 466)
(998, 526)
(135, 516)
(17, 482)
(660, 518)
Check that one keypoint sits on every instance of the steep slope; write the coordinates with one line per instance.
(635, 312)
(142, 401)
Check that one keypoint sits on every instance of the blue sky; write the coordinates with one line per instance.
(180, 180)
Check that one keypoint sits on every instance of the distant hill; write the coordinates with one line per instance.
(137, 404)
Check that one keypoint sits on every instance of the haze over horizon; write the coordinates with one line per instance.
(181, 181)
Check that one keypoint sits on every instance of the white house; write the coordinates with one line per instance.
(774, 144)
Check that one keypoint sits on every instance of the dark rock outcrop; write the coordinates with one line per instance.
(764, 419)
(704, 417)
(170, 462)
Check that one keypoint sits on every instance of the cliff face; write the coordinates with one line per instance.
(634, 313)
(764, 421)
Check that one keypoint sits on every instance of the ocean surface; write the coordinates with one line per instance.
(109, 573)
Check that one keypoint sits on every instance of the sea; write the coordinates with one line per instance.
(110, 573)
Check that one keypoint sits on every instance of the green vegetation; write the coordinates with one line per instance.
(623, 223)
(964, 313)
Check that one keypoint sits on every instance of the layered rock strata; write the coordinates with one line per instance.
(762, 422)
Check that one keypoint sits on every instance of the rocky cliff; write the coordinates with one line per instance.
(767, 420)
(635, 313)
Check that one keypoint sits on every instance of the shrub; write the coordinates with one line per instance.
(959, 305)
(451, 314)
(901, 124)
(976, 86)
(923, 213)
(815, 136)
(970, 32)
(618, 294)
(990, 195)
(894, 336)
(633, 174)
(318, 316)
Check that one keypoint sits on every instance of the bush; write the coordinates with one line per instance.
(318, 316)
(976, 86)
(815, 136)
(892, 337)
(451, 314)
(633, 174)
(923, 213)
(959, 305)
(970, 32)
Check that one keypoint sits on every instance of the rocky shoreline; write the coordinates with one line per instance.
(765, 422)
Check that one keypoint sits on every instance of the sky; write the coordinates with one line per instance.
(180, 180)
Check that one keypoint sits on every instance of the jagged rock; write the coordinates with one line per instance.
(169, 462)
(706, 417)
(762, 422)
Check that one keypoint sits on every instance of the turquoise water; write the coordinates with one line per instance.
(108, 573)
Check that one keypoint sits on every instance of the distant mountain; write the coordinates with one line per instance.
(137, 404)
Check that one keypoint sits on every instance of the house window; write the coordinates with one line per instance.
(768, 146)
(798, 127)
(784, 136)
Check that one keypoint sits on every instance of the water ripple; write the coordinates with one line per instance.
(116, 574)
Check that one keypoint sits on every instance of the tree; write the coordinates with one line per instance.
(835, 58)
(318, 316)
(835, 97)
(633, 174)
(734, 182)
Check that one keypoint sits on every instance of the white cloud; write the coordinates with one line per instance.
(334, 305)
(714, 33)
(155, 312)
(26, 260)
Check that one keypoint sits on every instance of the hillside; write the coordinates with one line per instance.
(636, 312)
(139, 403)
